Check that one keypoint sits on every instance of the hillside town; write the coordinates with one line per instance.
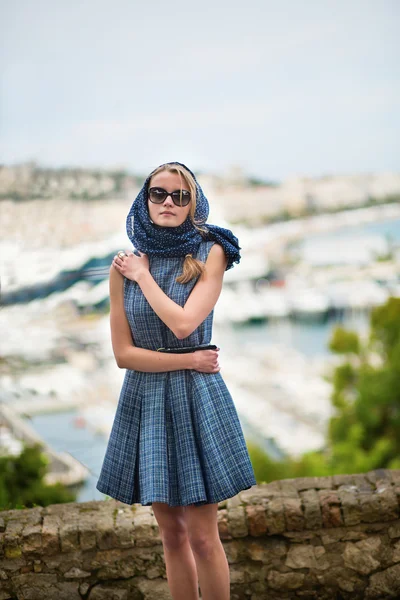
(240, 198)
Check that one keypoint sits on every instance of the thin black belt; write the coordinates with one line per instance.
(186, 349)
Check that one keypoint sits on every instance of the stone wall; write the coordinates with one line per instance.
(327, 537)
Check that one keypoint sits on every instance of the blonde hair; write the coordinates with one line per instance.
(192, 267)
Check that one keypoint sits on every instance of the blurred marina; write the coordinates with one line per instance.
(297, 279)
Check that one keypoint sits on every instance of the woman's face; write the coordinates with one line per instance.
(167, 214)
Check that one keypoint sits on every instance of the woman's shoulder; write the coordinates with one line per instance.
(204, 249)
(212, 249)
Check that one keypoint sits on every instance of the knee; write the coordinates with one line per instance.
(174, 537)
(203, 545)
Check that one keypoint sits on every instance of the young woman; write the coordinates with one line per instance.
(176, 441)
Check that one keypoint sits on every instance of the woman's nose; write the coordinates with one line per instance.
(168, 200)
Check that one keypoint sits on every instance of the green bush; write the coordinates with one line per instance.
(21, 481)
(364, 432)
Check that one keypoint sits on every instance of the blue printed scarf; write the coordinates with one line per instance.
(156, 240)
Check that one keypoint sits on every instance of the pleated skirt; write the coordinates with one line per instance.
(176, 438)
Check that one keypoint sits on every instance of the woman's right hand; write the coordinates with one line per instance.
(206, 361)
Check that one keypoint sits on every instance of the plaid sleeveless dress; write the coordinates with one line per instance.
(176, 436)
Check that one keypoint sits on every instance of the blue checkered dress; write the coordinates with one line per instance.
(176, 436)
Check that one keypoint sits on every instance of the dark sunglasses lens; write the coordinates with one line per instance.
(157, 196)
(176, 197)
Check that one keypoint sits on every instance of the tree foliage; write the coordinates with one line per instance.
(21, 481)
(364, 431)
(344, 341)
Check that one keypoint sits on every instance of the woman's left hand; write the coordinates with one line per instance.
(131, 266)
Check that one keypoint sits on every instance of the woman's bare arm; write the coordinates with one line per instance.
(129, 356)
(184, 320)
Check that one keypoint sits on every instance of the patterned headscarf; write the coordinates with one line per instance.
(156, 240)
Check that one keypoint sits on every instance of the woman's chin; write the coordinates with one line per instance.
(167, 222)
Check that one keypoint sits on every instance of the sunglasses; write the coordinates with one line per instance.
(157, 195)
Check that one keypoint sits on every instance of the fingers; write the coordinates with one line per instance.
(117, 261)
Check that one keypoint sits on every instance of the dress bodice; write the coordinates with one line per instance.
(148, 330)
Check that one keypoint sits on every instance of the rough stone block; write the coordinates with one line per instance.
(237, 522)
(87, 534)
(370, 506)
(312, 509)
(153, 589)
(235, 550)
(237, 575)
(233, 502)
(44, 586)
(155, 572)
(12, 565)
(50, 535)
(31, 538)
(83, 588)
(120, 570)
(363, 556)
(12, 538)
(103, 592)
(69, 537)
(146, 530)
(395, 476)
(255, 550)
(306, 556)
(350, 506)
(269, 491)
(256, 520)
(222, 520)
(252, 573)
(379, 475)
(396, 553)
(305, 536)
(318, 483)
(388, 501)
(76, 573)
(341, 577)
(342, 479)
(124, 527)
(255, 495)
(362, 483)
(294, 517)
(275, 516)
(332, 536)
(285, 581)
(37, 566)
(354, 535)
(385, 584)
(330, 508)
(105, 558)
(394, 530)
(288, 488)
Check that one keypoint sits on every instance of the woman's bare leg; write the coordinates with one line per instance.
(208, 551)
(179, 560)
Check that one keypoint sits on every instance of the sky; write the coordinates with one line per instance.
(280, 88)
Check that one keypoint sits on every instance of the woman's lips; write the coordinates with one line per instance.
(168, 213)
